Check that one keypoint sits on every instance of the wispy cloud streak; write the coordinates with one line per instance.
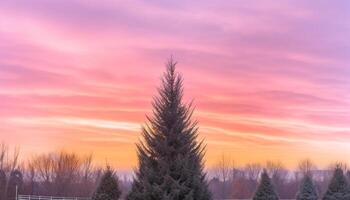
(269, 78)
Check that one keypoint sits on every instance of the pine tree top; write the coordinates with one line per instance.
(307, 190)
(170, 131)
(265, 190)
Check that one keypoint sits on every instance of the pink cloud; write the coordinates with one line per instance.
(263, 74)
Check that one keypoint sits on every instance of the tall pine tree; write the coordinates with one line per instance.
(266, 190)
(170, 158)
(307, 190)
(338, 188)
(108, 188)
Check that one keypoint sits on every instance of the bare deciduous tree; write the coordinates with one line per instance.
(305, 167)
(225, 171)
(252, 171)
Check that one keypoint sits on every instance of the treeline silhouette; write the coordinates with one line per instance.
(50, 174)
(229, 181)
(68, 174)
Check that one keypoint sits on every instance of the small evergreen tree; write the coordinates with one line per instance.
(108, 188)
(3, 180)
(307, 190)
(338, 188)
(266, 190)
(15, 180)
(170, 158)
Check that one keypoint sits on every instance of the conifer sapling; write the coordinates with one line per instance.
(307, 190)
(266, 190)
(108, 188)
(338, 187)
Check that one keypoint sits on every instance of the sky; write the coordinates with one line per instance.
(269, 79)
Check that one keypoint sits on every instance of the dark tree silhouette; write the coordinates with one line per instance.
(307, 190)
(15, 180)
(170, 158)
(108, 188)
(338, 188)
(3, 182)
(266, 190)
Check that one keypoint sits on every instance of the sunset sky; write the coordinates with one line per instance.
(270, 79)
